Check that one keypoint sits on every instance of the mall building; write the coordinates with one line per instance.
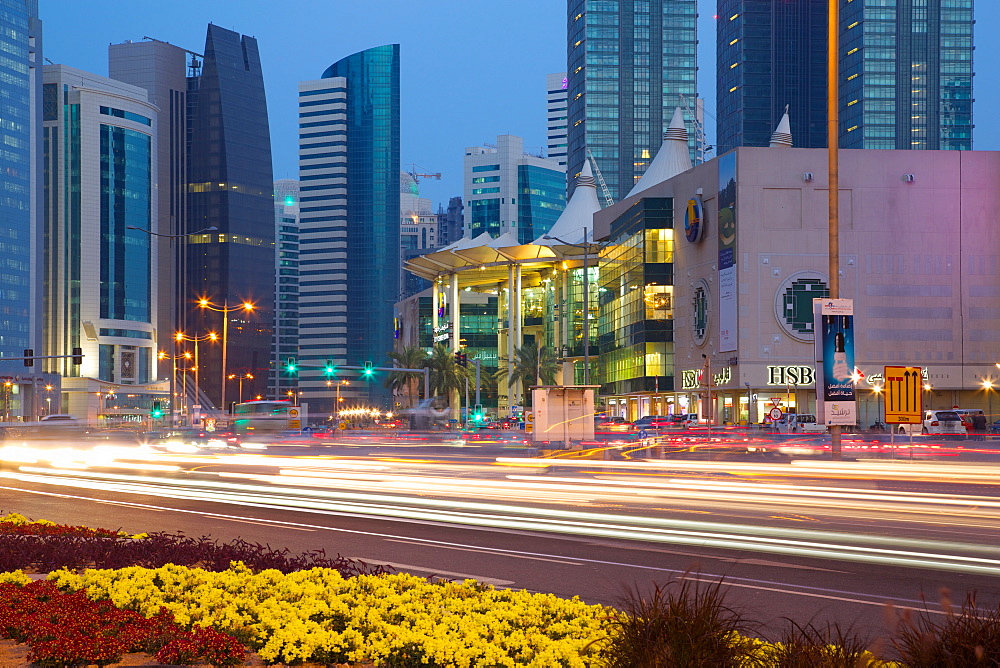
(919, 254)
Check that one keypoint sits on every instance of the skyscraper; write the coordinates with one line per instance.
(770, 55)
(905, 66)
(629, 63)
(349, 218)
(230, 188)
(510, 191)
(20, 164)
(286, 287)
(556, 114)
(159, 68)
(906, 73)
(100, 175)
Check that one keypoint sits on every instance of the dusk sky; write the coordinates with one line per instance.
(470, 69)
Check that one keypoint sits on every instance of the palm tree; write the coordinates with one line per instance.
(447, 377)
(531, 365)
(408, 357)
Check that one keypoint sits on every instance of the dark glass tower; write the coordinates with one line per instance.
(771, 55)
(230, 187)
(906, 68)
(905, 65)
(629, 63)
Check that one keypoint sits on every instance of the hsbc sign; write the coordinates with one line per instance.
(791, 376)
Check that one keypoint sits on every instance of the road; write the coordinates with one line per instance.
(807, 540)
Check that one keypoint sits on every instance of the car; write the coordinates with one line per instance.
(58, 418)
(652, 423)
(614, 423)
(944, 422)
(799, 423)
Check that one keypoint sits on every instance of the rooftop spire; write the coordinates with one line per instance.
(579, 211)
(782, 137)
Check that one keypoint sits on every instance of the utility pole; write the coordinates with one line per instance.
(833, 156)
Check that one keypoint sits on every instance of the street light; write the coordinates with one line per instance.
(877, 389)
(246, 376)
(181, 336)
(586, 298)
(48, 400)
(225, 310)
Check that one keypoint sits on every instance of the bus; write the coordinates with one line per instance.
(266, 417)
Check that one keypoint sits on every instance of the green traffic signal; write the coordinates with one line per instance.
(291, 367)
(368, 370)
(330, 368)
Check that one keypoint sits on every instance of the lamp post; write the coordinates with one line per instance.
(48, 400)
(988, 386)
(181, 336)
(586, 298)
(246, 376)
(225, 310)
(877, 389)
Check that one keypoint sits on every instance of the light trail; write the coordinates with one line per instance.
(500, 514)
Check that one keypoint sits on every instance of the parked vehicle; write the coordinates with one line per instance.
(943, 422)
(652, 423)
(799, 423)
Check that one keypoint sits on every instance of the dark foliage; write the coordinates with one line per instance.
(969, 636)
(809, 646)
(683, 623)
(75, 552)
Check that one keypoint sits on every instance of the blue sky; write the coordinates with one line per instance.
(471, 69)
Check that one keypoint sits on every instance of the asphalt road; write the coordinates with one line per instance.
(810, 540)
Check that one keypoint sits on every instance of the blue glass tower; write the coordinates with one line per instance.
(230, 187)
(629, 63)
(371, 100)
(771, 55)
(20, 42)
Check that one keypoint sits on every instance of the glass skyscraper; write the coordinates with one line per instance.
(20, 42)
(906, 73)
(629, 63)
(770, 55)
(905, 66)
(348, 219)
(230, 187)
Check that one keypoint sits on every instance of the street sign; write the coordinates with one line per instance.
(903, 386)
(529, 417)
(775, 401)
(775, 414)
(342, 425)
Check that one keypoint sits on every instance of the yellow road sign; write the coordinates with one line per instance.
(903, 387)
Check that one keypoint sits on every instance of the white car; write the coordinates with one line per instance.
(944, 422)
(799, 423)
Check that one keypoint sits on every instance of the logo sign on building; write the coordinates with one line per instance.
(791, 376)
(834, 327)
(694, 220)
(689, 379)
(728, 306)
(903, 385)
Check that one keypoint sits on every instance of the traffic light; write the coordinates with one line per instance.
(368, 370)
(329, 369)
(77, 355)
(478, 415)
(157, 411)
(291, 367)
(29, 357)
(462, 360)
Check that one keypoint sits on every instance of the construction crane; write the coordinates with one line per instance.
(416, 176)
(600, 179)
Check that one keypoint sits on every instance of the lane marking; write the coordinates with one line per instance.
(436, 572)
(485, 550)
(266, 524)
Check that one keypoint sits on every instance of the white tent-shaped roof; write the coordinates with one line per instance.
(782, 137)
(673, 158)
(578, 214)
